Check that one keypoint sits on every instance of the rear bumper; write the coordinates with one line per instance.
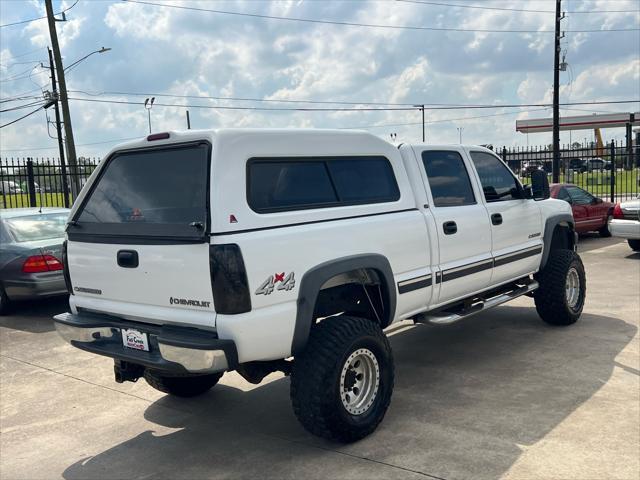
(625, 228)
(171, 348)
(36, 287)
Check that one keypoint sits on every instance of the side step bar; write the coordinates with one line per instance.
(446, 318)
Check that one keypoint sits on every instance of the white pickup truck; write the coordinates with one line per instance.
(189, 254)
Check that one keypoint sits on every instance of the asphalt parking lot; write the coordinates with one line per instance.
(499, 395)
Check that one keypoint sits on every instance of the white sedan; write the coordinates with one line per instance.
(626, 222)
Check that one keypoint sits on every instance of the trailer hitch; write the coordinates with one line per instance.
(127, 372)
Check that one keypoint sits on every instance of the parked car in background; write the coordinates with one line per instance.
(9, 186)
(626, 222)
(577, 164)
(31, 254)
(592, 214)
(529, 167)
(595, 164)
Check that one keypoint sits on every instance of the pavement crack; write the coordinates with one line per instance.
(351, 455)
(76, 378)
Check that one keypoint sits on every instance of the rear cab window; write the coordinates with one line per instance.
(158, 192)
(297, 183)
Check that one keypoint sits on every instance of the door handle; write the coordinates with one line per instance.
(449, 228)
(496, 219)
(127, 258)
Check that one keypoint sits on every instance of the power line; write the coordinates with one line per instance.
(349, 109)
(228, 107)
(18, 96)
(20, 107)
(20, 76)
(39, 18)
(318, 102)
(114, 140)
(506, 9)
(24, 54)
(367, 25)
(254, 99)
(20, 118)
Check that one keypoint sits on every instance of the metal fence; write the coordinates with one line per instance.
(33, 182)
(612, 172)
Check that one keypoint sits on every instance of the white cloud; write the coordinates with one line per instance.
(164, 50)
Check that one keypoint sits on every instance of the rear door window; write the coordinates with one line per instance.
(448, 178)
(158, 192)
(283, 184)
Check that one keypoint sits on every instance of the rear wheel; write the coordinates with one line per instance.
(634, 244)
(560, 297)
(181, 386)
(604, 231)
(341, 384)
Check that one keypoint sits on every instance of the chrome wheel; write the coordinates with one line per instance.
(572, 288)
(359, 381)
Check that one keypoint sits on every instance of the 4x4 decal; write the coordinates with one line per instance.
(269, 284)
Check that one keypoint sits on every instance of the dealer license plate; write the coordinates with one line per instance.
(134, 339)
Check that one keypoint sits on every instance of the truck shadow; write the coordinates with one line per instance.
(467, 398)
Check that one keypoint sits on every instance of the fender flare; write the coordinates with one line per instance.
(550, 225)
(315, 277)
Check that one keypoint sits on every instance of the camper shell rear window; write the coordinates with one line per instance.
(155, 192)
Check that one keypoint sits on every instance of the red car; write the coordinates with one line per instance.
(592, 214)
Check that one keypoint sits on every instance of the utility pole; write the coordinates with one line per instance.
(68, 131)
(556, 96)
(63, 165)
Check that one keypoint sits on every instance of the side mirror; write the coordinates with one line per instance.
(527, 194)
(540, 185)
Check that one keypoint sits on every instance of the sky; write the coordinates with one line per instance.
(178, 52)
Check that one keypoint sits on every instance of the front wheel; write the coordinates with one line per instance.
(560, 297)
(341, 384)
(634, 244)
(181, 386)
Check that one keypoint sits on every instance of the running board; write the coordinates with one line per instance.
(445, 318)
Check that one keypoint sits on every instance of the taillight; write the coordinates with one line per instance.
(617, 211)
(65, 270)
(41, 263)
(229, 279)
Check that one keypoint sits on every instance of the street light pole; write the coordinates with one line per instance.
(148, 104)
(460, 135)
(421, 107)
(64, 101)
(102, 50)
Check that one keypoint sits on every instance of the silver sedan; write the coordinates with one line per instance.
(31, 254)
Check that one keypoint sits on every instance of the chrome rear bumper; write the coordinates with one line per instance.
(171, 348)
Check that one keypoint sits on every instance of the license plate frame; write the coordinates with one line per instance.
(135, 339)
